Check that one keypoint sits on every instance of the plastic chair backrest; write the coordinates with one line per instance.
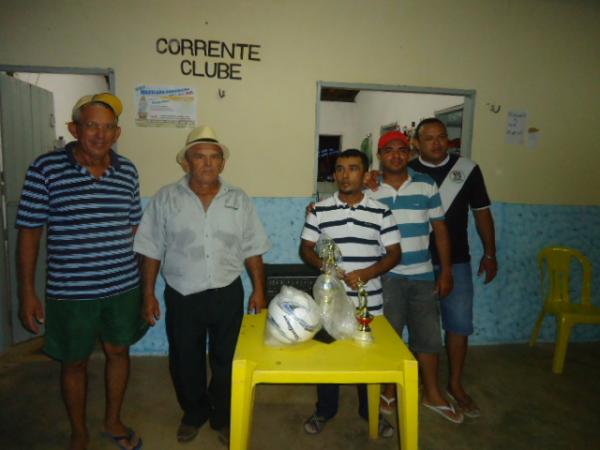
(558, 261)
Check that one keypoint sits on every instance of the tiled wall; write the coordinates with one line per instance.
(506, 309)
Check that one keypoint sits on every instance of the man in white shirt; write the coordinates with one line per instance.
(200, 231)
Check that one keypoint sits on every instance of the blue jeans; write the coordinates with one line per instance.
(457, 308)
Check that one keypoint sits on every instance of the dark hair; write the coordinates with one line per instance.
(427, 121)
(353, 152)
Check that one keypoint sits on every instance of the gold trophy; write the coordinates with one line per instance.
(363, 316)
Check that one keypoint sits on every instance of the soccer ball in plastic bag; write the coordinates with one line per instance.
(293, 317)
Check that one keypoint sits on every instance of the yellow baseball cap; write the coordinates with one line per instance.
(103, 97)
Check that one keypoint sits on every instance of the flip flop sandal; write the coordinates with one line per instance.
(314, 424)
(469, 409)
(386, 405)
(444, 411)
(386, 430)
(129, 437)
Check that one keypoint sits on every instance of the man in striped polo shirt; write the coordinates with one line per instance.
(361, 227)
(410, 291)
(87, 196)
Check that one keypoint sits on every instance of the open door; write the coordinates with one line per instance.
(26, 131)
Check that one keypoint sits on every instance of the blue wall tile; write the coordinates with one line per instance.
(506, 309)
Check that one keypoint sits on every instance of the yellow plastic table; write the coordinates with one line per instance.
(386, 360)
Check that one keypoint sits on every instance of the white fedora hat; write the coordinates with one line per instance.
(201, 135)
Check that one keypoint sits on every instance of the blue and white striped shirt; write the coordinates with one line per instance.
(90, 224)
(414, 206)
(361, 232)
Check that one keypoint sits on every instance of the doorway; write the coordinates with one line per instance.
(361, 113)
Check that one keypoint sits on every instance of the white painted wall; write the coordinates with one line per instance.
(373, 109)
(340, 118)
(381, 108)
(67, 89)
(536, 55)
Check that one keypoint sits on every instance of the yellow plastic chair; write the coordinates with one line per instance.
(557, 301)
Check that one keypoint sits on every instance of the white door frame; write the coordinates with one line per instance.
(108, 72)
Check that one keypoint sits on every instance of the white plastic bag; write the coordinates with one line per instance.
(337, 310)
(293, 317)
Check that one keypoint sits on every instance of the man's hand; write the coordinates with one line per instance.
(257, 302)
(31, 312)
(487, 233)
(310, 208)
(352, 278)
(490, 267)
(444, 284)
(372, 181)
(151, 309)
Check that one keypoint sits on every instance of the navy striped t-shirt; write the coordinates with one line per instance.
(361, 232)
(89, 224)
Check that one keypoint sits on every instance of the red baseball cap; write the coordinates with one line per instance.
(392, 136)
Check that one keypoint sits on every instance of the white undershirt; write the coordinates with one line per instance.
(427, 164)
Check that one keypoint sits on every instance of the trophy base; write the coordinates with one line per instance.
(363, 337)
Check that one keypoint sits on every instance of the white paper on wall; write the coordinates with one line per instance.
(516, 125)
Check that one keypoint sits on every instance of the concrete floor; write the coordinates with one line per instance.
(524, 406)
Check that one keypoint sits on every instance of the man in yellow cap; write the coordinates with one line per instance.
(87, 196)
(201, 231)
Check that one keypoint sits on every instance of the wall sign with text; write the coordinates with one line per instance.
(165, 106)
(209, 58)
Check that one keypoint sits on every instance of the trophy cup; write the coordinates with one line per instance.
(338, 312)
(327, 284)
(363, 317)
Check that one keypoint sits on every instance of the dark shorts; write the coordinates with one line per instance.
(74, 326)
(457, 308)
(413, 303)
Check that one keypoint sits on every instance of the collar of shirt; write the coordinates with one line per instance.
(408, 180)
(184, 183)
(113, 167)
(339, 202)
(427, 164)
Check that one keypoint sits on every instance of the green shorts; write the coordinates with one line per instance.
(73, 326)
